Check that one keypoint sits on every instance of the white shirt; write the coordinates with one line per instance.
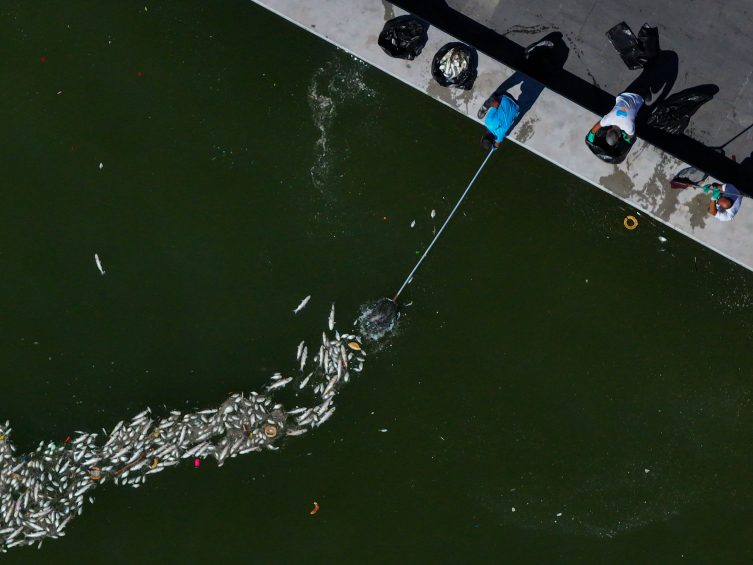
(726, 215)
(623, 114)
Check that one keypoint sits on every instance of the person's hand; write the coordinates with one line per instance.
(496, 145)
(495, 103)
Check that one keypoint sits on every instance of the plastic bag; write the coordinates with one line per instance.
(673, 115)
(635, 51)
(403, 38)
(466, 78)
(614, 155)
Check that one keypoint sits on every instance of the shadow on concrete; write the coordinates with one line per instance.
(530, 90)
(657, 79)
(566, 84)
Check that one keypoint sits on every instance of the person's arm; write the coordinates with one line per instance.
(495, 103)
(712, 207)
(592, 133)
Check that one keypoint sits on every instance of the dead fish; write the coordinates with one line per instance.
(280, 383)
(413, 223)
(99, 264)
(302, 305)
(305, 381)
(300, 350)
(303, 357)
(662, 239)
(433, 213)
(332, 318)
(354, 345)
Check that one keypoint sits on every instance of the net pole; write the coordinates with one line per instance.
(433, 241)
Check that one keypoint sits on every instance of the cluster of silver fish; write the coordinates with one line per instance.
(453, 63)
(42, 491)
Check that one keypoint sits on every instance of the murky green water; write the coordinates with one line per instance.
(552, 361)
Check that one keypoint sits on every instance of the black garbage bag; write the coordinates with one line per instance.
(673, 115)
(467, 77)
(403, 38)
(614, 155)
(635, 51)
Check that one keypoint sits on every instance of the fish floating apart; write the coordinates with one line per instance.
(433, 213)
(303, 357)
(413, 223)
(99, 264)
(300, 350)
(41, 491)
(302, 305)
(332, 318)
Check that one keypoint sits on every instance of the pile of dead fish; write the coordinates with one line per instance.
(454, 62)
(40, 492)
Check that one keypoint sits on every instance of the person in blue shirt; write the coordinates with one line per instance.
(498, 113)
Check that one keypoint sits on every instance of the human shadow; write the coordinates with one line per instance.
(545, 58)
(745, 175)
(657, 79)
(529, 91)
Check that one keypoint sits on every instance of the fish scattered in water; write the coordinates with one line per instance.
(302, 305)
(662, 239)
(100, 165)
(99, 264)
(433, 213)
(300, 350)
(413, 223)
(43, 490)
(332, 318)
(303, 357)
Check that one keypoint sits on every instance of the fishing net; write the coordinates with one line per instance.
(689, 176)
(379, 319)
(403, 37)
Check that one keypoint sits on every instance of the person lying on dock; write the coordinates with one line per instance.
(725, 201)
(620, 121)
(498, 113)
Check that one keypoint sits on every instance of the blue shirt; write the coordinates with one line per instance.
(499, 120)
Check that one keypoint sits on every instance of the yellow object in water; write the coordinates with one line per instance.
(354, 345)
(633, 222)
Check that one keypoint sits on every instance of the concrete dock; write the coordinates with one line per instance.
(551, 125)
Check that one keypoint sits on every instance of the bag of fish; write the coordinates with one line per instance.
(403, 38)
(454, 65)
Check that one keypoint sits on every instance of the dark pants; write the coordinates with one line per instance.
(498, 95)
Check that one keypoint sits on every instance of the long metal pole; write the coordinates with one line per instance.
(442, 228)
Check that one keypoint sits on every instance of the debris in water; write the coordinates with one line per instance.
(647, 470)
(383, 430)
(316, 508)
(99, 264)
(662, 239)
(354, 345)
(513, 509)
(413, 223)
(100, 165)
(379, 319)
(560, 514)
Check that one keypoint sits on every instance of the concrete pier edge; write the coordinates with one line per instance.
(551, 126)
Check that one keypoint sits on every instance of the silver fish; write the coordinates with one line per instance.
(305, 381)
(304, 355)
(300, 349)
(332, 318)
(99, 264)
(280, 383)
(301, 306)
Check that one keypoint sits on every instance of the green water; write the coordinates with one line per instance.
(549, 359)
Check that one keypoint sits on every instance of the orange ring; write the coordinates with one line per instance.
(632, 219)
(270, 431)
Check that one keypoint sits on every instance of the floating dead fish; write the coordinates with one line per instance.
(662, 239)
(413, 223)
(332, 318)
(433, 213)
(99, 264)
(302, 305)
(300, 350)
